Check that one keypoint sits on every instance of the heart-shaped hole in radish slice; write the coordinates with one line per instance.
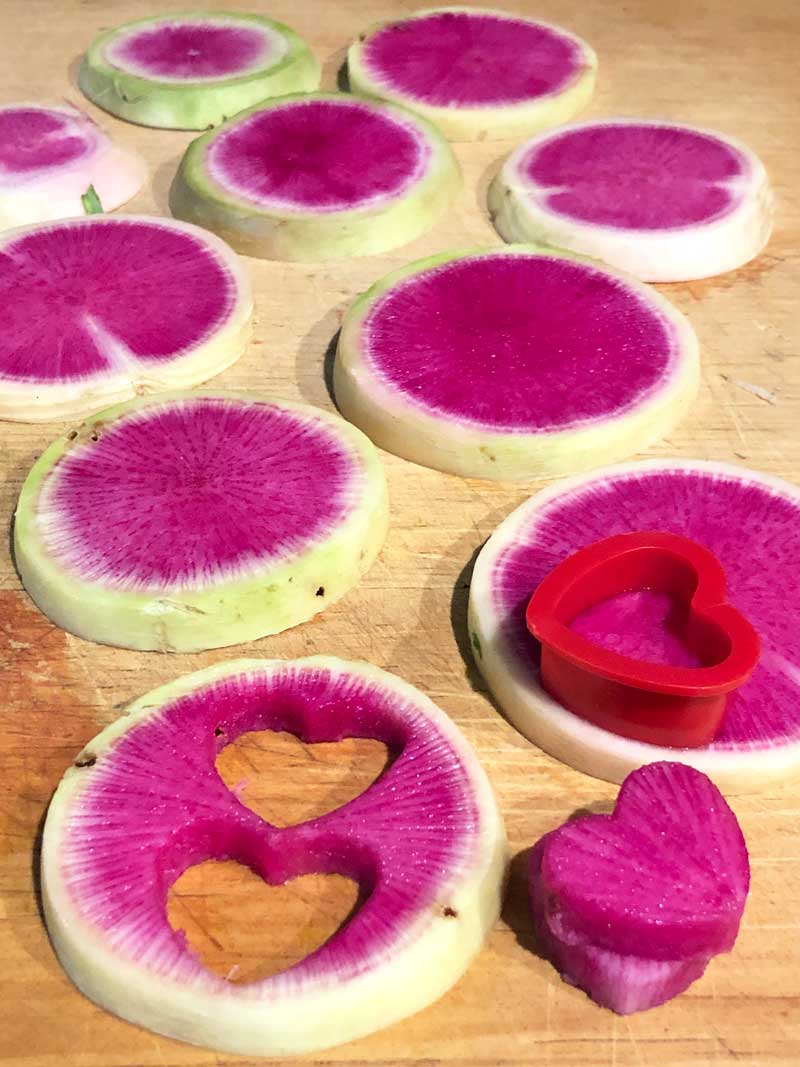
(288, 781)
(244, 930)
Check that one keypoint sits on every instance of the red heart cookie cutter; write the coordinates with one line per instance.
(682, 707)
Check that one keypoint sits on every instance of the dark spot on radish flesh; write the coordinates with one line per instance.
(72, 435)
(450, 913)
(86, 759)
(218, 732)
(321, 591)
(94, 436)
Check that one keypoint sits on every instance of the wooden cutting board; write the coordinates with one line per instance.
(729, 64)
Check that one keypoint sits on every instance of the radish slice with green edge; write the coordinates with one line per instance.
(632, 906)
(56, 163)
(425, 843)
(317, 176)
(97, 310)
(513, 363)
(750, 521)
(191, 71)
(190, 521)
(666, 203)
(478, 74)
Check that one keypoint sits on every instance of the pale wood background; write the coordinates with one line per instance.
(730, 64)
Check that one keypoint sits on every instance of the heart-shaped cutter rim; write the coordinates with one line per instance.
(602, 570)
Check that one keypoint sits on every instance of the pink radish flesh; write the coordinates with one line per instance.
(320, 155)
(472, 59)
(189, 493)
(159, 790)
(193, 51)
(643, 624)
(32, 138)
(632, 906)
(636, 176)
(80, 299)
(519, 342)
(753, 530)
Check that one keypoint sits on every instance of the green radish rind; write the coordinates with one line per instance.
(228, 612)
(200, 104)
(567, 737)
(431, 957)
(480, 123)
(283, 234)
(393, 422)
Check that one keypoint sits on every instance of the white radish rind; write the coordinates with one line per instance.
(759, 743)
(425, 841)
(96, 580)
(195, 104)
(55, 189)
(93, 259)
(525, 210)
(493, 122)
(285, 231)
(407, 424)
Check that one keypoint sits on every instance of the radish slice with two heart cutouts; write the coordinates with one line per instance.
(143, 802)
(53, 160)
(189, 521)
(750, 521)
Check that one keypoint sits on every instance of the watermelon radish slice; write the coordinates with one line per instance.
(425, 843)
(50, 157)
(513, 363)
(189, 521)
(477, 74)
(664, 202)
(632, 906)
(317, 176)
(96, 310)
(194, 70)
(750, 521)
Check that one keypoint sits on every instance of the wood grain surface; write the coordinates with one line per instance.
(729, 64)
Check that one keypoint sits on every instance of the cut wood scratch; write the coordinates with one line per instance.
(749, 387)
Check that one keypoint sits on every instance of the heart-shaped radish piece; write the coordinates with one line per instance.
(680, 706)
(632, 906)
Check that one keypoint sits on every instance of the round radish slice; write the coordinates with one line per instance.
(513, 363)
(99, 309)
(51, 161)
(189, 521)
(191, 71)
(317, 176)
(750, 521)
(478, 74)
(666, 203)
(425, 843)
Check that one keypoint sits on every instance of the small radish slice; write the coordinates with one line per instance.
(194, 70)
(144, 801)
(750, 521)
(188, 521)
(317, 176)
(513, 363)
(96, 310)
(666, 203)
(632, 906)
(477, 74)
(51, 157)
